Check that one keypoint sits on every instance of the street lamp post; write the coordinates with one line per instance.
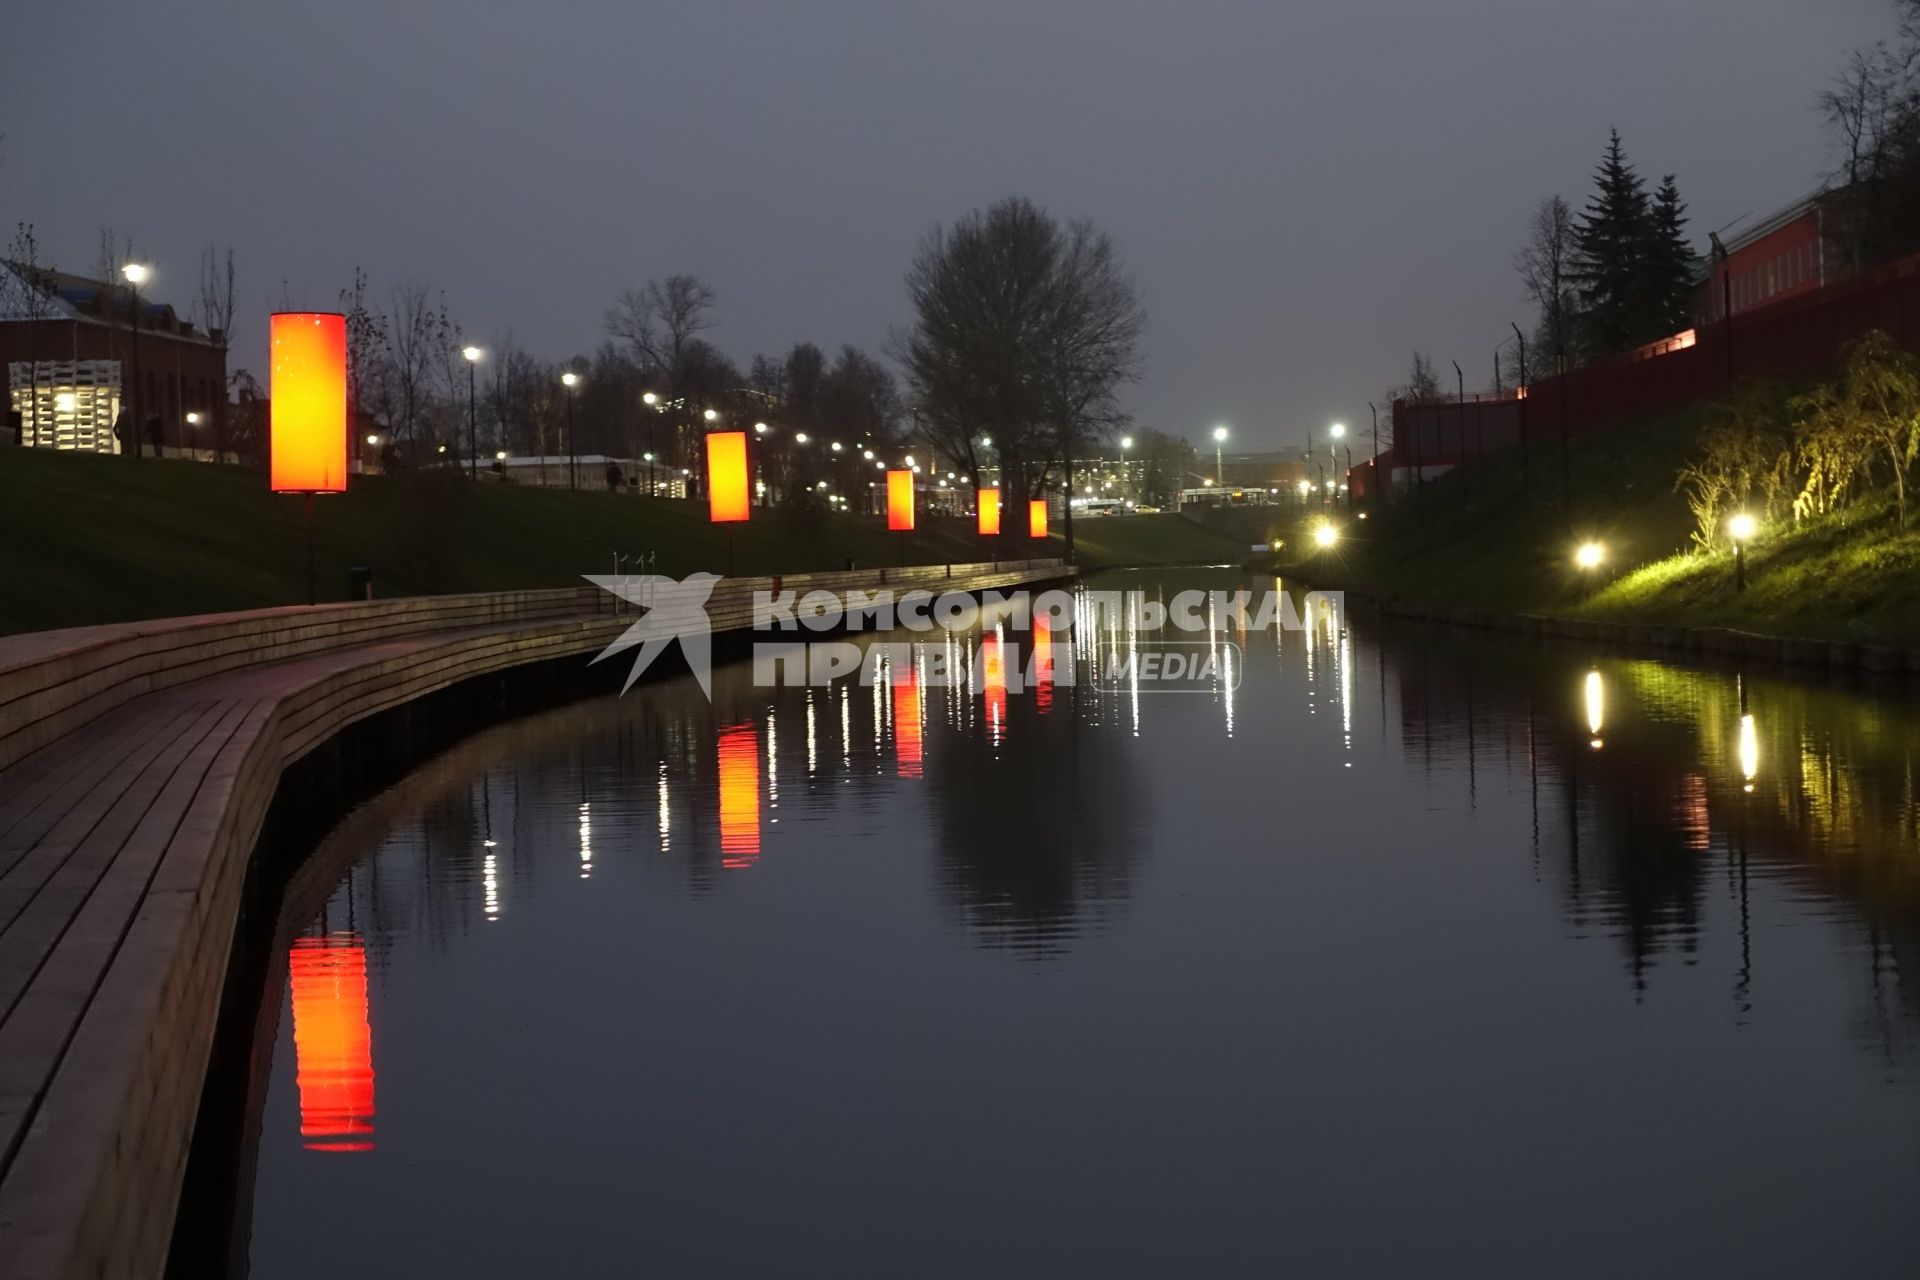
(1219, 465)
(1339, 432)
(193, 420)
(1126, 475)
(1741, 527)
(135, 274)
(570, 380)
(473, 355)
(652, 401)
(1526, 473)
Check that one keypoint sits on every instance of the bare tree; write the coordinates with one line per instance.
(366, 345)
(216, 317)
(1545, 265)
(1023, 330)
(658, 320)
(28, 297)
(418, 334)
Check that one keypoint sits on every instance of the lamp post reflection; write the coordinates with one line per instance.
(739, 761)
(1596, 696)
(332, 1043)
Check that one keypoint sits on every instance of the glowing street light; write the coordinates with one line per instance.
(1325, 534)
(570, 380)
(136, 274)
(1219, 439)
(760, 428)
(1590, 555)
(799, 437)
(474, 355)
(711, 415)
(649, 399)
(1741, 527)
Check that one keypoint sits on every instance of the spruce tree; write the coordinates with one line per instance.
(1672, 273)
(1612, 240)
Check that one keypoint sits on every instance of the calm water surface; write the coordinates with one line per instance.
(1417, 952)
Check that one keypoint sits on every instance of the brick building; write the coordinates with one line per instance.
(68, 347)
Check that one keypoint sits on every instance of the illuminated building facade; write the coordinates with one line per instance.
(67, 344)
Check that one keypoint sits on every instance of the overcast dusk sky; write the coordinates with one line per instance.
(1305, 191)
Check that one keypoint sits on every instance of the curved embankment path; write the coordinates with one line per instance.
(137, 766)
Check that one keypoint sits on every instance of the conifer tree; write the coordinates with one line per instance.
(1612, 240)
(1672, 277)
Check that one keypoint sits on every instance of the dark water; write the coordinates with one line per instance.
(1390, 962)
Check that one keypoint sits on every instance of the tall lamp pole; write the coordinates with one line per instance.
(1526, 475)
(1219, 466)
(1126, 476)
(1340, 433)
(570, 380)
(473, 355)
(136, 274)
(1460, 423)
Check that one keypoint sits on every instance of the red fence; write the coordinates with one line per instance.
(1798, 338)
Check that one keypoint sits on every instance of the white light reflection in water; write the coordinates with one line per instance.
(490, 887)
(1596, 696)
(1749, 750)
(773, 769)
(813, 738)
(666, 842)
(586, 841)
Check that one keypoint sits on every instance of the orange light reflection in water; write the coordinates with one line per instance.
(332, 1043)
(1042, 667)
(906, 721)
(739, 753)
(994, 659)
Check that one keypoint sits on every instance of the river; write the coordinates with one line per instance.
(1385, 950)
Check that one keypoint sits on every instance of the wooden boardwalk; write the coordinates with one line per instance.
(137, 764)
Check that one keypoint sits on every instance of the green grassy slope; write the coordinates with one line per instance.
(1108, 541)
(1490, 536)
(87, 539)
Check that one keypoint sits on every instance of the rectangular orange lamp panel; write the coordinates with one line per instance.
(989, 513)
(1037, 518)
(308, 386)
(899, 500)
(727, 497)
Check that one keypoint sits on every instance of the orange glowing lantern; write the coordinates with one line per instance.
(332, 1043)
(727, 496)
(308, 386)
(900, 500)
(989, 513)
(906, 721)
(739, 752)
(1037, 518)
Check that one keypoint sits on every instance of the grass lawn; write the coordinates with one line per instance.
(101, 539)
(1490, 535)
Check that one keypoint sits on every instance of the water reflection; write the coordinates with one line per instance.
(332, 1042)
(1057, 935)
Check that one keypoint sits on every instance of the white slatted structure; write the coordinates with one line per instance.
(66, 404)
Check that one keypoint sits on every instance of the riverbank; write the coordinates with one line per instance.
(90, 539)
(1499, 534)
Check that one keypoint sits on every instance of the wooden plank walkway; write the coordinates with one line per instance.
(137, 764)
